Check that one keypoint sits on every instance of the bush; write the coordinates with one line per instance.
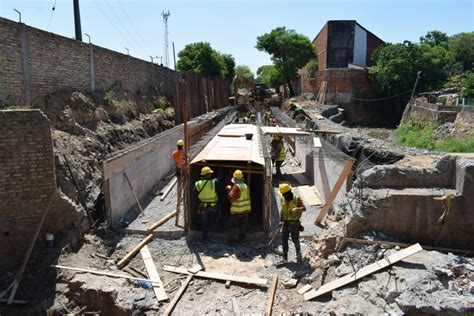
(420, 135)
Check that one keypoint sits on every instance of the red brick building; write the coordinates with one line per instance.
(343, 49)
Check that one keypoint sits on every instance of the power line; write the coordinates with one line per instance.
(132, 36)
(111, 23)
(137, 33)
(51, 15)
(382, 99)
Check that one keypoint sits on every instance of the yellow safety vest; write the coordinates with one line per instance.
(281, 152)
(242, 204)
(207, 191)
(286, 207)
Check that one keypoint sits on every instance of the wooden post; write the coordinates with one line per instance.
(134, 195)
(180, 292)
(271, 296)
(332, 195)
(129, 256)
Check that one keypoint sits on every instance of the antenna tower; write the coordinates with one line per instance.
(165, 16)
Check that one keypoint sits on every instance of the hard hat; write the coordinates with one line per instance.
(238, 174)
(206, 170)
(277, 136)
(180, 143)
(284, 187)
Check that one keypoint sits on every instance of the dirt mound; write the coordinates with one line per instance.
(88, 127)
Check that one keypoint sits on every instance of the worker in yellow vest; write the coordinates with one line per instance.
(291, 209)
(278, 153)
(239, 196)
(207, 195)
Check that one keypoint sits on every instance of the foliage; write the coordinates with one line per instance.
(420, 135)
(415, 134)
(161, 103)
(125, 107)
(201, 58)
(435, 38)
(229, 63)
(290, 51)
(467, 89)
(440, 58)
(243, 71)
(269, 75)
(312, 67)
(461, 48)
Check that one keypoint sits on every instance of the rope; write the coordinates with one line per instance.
(381, 99)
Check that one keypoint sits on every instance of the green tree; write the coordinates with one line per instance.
(290, 51)
(244, 72)
(435, 38)
(461, 48)
(467, 90)
(269, 75)
(203, 59)
(229, 63)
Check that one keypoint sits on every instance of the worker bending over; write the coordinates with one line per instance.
(291, 209)
(239, 196)
(207, 195)
(278, 153)
(297, 110)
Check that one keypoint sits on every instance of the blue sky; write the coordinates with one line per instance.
(232, 26)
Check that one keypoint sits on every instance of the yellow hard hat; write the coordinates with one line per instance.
(278, 136)
(206, 170)
(238, 174)
(180, 143)
(284, 187)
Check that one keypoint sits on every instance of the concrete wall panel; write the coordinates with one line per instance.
(360, 46)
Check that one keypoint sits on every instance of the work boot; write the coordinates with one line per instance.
(284, 259)
(299, 257)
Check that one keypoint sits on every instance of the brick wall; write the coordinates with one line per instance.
(52, 62)
(320, 43)
(27, 178)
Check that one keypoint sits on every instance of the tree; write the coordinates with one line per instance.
(203, 59)
(290, 51)
(396, 66)
(435, 38)
(229, 63)
(269, 75)
(244, 72)
(461, 48)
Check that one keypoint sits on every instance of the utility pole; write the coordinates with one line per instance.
(414, 88)
(165, 16)
(174, 57)
(77, 20)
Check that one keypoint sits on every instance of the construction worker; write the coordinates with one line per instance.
(239, 196)
(268, 117)
(297, 109)
(291, 209)
(278, 153)
(178, 158)
(207, 195)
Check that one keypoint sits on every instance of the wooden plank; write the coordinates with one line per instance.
(332, 195)
(304, 289)
(219, 276)
(401, 244)
(309, 195)
(166, 218)
(168, 189)
(177, 296)
(153, 275)
(286, 131)
(110, 274)
(271, 296)
(195, 269)
(371, 268)
(129, 256)
(142, 212)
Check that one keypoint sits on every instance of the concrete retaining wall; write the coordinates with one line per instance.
(145, 164)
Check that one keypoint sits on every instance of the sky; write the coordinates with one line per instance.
(232, 26)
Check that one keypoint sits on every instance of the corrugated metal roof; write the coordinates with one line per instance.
(230, 144)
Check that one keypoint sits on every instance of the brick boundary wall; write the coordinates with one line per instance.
(34, 63)
(27, 178)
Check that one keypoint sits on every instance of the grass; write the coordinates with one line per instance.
(420, 135)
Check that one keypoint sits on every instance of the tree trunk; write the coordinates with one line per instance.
(292, 92)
